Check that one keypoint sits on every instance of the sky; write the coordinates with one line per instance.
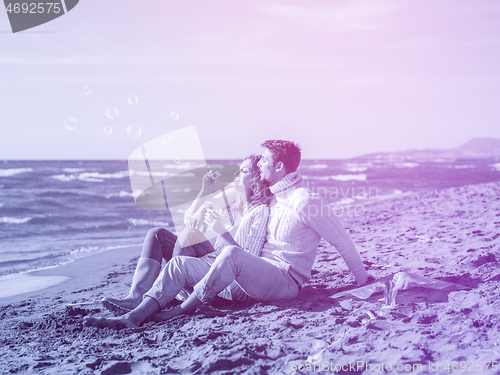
(341, 78)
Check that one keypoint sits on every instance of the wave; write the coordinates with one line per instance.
(339, 177)
(346, 201)
(121, 194)
(101, 177)
(34, 260)
(394, 193)
(90, 176)
(84, 250)
(466, 166)
(13, 220)
(406, 165)
(316, 166)
(14, 262)
(73, 170)
(356, 169)
(33, 220)
(13, 171)
(349, 177)
(65, 195)
(123, 246)
(63, 177)
(136, 222)
(121, 174)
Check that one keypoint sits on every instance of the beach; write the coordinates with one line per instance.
(127, 123)
(450, 235)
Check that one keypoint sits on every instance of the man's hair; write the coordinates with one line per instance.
(286, 152)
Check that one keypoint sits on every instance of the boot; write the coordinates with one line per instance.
(145, 275)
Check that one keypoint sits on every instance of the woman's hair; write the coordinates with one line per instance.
(259, 189)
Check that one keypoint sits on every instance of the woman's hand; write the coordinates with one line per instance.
(197, 220)
(195, 215)
(206, 183)
(213, 219)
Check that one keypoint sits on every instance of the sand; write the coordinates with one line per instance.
(451, 235)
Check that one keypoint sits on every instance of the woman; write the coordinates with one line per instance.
(252, 201)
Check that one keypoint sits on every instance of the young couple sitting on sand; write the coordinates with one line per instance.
(269, 258)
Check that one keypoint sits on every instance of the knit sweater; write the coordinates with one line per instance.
(297, 223)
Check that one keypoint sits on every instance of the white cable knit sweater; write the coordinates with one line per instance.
(297, 223)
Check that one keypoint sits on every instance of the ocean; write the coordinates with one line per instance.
(53, 212)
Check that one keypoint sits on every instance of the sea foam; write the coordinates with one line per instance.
(13, 171)
(13, 220)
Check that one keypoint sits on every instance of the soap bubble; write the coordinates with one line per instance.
(214, 175)
(86, 90)
(139, 155)
(112, 112)
(70, 123)
(177, 161)
(107, 130)
(174, 116)
(165, 140)
(132, 99)
(134, 131)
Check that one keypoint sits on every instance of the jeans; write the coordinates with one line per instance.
(161, 243)
(247, 275)
(260, 278)
(192, 242)
(180, 271)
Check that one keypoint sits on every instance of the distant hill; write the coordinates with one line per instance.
(475, 148)
(481, 147)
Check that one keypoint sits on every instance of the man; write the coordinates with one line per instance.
(295, 228)
(297, 219)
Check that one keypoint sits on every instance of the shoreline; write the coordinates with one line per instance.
(80, 273)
